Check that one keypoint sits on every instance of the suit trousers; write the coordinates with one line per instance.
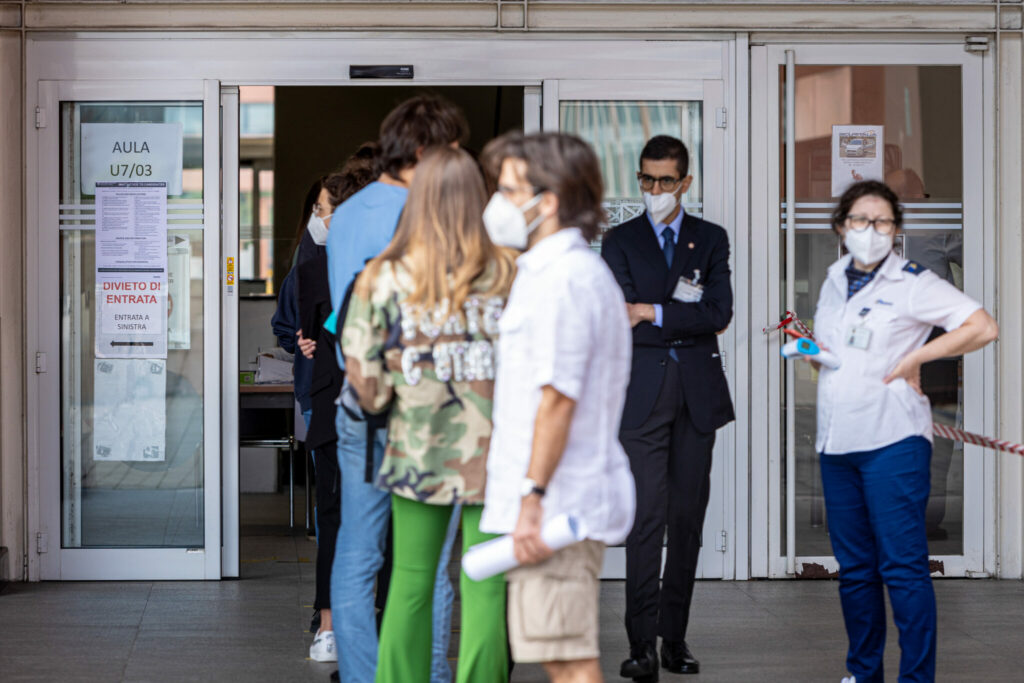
(671, 463)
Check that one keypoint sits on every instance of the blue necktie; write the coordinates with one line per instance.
(669, 247)
(670, 251)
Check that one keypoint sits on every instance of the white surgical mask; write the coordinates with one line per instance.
(660, 205)
(317, 229)
(867, 246)
(505, 223)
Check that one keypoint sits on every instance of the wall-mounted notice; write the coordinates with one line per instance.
(857, 154)
(119, 152)
(179, 292)
(129, 410)
(131, 270)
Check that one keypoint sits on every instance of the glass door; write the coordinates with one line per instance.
(128, 253)
(914, 119)
(617, 118)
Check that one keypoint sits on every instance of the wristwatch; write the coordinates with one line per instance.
(529, 486)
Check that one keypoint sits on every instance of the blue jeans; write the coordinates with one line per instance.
(359, 555)
(876, 504)
(440, 672)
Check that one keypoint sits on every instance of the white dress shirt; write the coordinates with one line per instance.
(565, 326)
(892, 315)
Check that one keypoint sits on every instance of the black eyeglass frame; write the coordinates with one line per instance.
(870, 223)
(667, 183)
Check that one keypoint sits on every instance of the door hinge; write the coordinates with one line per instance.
(40, 117)
(721, 117)
(723, 542)
(976, 44)
(42, 543)
(40, 363)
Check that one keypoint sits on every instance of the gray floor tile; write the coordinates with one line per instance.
(253, 629)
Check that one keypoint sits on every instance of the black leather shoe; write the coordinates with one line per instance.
(677, 658)
(642, 665)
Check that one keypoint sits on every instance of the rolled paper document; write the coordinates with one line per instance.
(806, 347)
(497, 555)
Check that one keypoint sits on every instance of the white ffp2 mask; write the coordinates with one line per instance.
(505, 223)
(660, 205)
(317, 229)
(867, 246)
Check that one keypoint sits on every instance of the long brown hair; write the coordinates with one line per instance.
(441, 238)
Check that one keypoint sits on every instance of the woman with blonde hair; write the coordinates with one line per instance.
(419, 341)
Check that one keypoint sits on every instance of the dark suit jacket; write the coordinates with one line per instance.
(314, 308)
(636, 258)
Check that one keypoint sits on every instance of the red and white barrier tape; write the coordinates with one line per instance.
(787, 318)
(941, 430)
(954, 434)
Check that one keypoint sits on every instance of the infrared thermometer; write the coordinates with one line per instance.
(806, 347)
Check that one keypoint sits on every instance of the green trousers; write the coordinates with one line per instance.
(405, 637)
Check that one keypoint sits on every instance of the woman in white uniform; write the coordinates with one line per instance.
(874, 435)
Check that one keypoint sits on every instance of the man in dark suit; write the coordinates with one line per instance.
(674, 271)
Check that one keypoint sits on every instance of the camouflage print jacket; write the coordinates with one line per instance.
(436, 373)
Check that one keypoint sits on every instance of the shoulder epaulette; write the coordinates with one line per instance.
(914, 267)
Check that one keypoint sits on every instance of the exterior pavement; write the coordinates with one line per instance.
(253, 629)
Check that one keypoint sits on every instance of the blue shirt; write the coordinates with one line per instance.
(361, 228)
(676, 225)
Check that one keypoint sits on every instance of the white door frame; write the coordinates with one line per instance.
(229, 406)
(43, 333)
(320, 58)
(718, 556)
(768, 556)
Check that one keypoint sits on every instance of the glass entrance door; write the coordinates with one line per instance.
(617, 119)
(128, 262)
(914, 120)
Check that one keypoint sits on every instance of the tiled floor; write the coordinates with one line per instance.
(253, 629)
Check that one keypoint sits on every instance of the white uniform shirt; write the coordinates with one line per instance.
(857, 411)
(566, 326)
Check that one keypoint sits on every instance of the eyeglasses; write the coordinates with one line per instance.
(883, 226)
(667, 183)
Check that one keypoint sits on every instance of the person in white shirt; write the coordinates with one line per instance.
(875, 312)
(563, 368)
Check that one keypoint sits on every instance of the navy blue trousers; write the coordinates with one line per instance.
(876, 504)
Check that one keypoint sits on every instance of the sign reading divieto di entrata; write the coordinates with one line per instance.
(120, 152)
(131, 270)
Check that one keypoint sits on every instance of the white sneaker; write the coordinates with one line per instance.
(849, 679)
(323, 648)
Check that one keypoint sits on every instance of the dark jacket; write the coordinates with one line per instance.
(314, 309)
(308, 249)
(633, 253)
(285, 323)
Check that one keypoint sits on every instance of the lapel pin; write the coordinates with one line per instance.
(691, 245)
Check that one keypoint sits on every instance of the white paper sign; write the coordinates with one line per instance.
(131, 270)
(857, 154)
(119, 152)
(129, 410)
(179, 294)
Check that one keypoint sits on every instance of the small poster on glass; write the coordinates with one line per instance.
(856, 156)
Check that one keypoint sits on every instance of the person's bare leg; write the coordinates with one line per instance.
(325, 620)
(577, 671)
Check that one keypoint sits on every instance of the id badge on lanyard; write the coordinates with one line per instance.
(859, 334)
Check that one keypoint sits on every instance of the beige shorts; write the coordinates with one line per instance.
(553, 606)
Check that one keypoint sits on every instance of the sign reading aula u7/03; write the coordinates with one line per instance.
(132, 152)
